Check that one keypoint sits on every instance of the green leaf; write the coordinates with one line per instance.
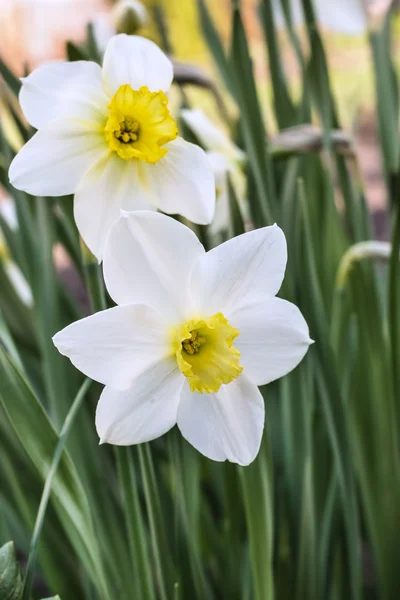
(52, 598)
(10, 575)
(91, 45)
(75, 52)
(215, 45)
(236, 217)
(39, 440)
(12, 81)
(257, 489)
(284, 107)
(252, 124)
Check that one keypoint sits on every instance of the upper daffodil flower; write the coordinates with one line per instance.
(193, 336)
(107, 136)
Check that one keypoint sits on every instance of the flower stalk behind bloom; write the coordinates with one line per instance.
(225, 159)
(193, 335)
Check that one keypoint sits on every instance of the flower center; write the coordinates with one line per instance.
(205, 354)
(128, 131)
(139, 124)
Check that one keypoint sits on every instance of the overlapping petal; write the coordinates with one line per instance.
(273, 338)
(248, 268)
(54, 160)
(227, 425)
(110, 185)
(145, 411)
(67, 89)
(181, 182)
(148, 259)
(116, 345)
(137, 61)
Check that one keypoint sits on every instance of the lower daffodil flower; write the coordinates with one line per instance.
(193, 336)
(107, 136)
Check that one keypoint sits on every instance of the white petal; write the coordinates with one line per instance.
(148, 259)
(145, 411)
(116, 345)
(273, 339)
(182, 182)
(68, 89)
(221, 165)
(56, 157)
(247, 268)
(9, 212)
(137, 61)
(110, 185)
(19, 282)
(227, 425)
(210, 136)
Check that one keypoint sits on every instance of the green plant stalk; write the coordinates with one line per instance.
(143, 577)
(252, 124)
(332, 408)
(154, 533)
(256, 480)
(185, 518)
(393, 313)
(47, 307)
(386, 95)
(69, 420)
(283, 104)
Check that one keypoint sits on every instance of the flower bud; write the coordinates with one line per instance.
(129, 16)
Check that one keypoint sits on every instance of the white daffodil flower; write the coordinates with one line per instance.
(225, 159)
(107, 136)
(12, 270)
(193, 336)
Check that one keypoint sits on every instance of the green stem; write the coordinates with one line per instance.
(135, 524)
(69, 419)
(146, 476)
(393, 313)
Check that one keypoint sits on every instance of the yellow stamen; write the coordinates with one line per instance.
(139, 124)
(205, 354)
